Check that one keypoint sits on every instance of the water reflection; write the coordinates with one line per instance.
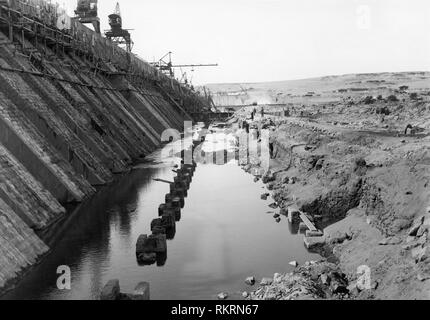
(223, 237)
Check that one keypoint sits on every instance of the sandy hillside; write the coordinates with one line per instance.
(355, 156)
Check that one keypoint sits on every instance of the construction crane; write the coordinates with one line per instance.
(166, 66)
(116, 33)
(195, 65)
(86, 13)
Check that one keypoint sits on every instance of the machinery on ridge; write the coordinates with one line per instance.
(87, 13)
(117, 34)
(165, 65)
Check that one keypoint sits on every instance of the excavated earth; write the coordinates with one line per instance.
(364, 182)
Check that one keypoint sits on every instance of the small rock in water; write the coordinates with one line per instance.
(294, 264)
(265, 196)
(111, 290)
(141, 292)
(256, 179)
(250, 281)
(266, 281)
(276, 215)
(273, 205)
(278, 220)
(222, 296)
(245, 294)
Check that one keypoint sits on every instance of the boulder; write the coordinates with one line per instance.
(250, 281)
(422, 229)
(266, 281)
(269, 177)
(293, 215)
(168, 221)
(423, 277)
(245, 294)
(111, 291)
(423, 240)
(154, 243)
(314, 242)
(283, 212)
(161, 209)
(158, 230)
(310, 233)
(339, 237)
(160, 243)
(147, 258)
(273, 206)
(420, 254)
(141, 244)
(277, 278)
(391, 241)
(295, 264)
(222, 296)
(325, 279)
(141, 292)
(338, 283)
(416, 226)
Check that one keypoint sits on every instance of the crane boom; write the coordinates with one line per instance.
(195, 65)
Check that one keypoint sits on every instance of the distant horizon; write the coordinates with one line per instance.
(313, 78)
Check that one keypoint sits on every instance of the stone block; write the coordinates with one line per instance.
(111, 291)
(310, 233)
(314, 242)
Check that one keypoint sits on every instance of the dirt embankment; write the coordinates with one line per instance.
(366, 184)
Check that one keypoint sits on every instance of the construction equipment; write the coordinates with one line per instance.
(166, 66)
(117, 34)
(86, 12)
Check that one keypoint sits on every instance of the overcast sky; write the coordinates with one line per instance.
(270, 40)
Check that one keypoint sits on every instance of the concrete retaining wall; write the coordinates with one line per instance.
(68, 122)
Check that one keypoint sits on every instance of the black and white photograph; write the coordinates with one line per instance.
(214, 154)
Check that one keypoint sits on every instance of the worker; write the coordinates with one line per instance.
(271, 146)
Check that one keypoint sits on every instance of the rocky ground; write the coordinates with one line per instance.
(351, 166)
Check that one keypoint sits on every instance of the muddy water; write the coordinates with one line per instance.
(226, 234)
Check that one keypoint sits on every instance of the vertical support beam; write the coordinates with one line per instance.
(23, 40)
(10, 26)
